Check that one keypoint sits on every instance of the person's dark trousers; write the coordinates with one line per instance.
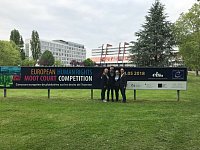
(110, 89)
(117, 93)
(103, 91)
(123, 92)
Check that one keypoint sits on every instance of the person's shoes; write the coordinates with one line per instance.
(123, 101)
(104, 100)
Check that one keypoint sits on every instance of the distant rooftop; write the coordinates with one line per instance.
(70, 43)
(64, 42)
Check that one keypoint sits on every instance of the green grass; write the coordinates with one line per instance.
(71, 120)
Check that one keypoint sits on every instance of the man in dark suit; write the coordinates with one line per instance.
(123, 83)
(111, 83)
(104, 84)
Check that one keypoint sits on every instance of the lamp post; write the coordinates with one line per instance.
(125, 43)
(119, 53)
(101, 53)
(107, 45)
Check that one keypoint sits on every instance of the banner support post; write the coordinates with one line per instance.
(91, 93)
(4, 89)
(178, 95)
(49, 93)
(4, 92)
(134, 94)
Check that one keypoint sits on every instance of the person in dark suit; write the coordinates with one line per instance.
(117, 84)
(104, 84)
(111, 83)
(123, 83)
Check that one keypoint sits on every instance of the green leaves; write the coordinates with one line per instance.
(28, 62)
(47, 59)
(15, 37)
(188, 36)
(58, 63)
(18, 40)
(88, 62)
(35, 45)
(9, 54)
(155, 40)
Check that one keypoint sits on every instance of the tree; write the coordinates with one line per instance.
(88, 62)
(155, 41)
(18, 40)
(9, 54)
(35, 45)
(28, 62)
(47, 59)
(21, 46)
(15, 37)
(74, 63)
(58, 63)
(81, 63)
(188, 37)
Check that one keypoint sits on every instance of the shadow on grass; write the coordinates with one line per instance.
(142, 101)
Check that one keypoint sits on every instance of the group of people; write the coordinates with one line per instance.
(113, 81)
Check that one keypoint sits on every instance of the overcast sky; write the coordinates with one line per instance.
(89, 22)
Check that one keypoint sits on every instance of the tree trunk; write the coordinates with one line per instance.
(197, 73)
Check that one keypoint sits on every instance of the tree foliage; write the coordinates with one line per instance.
(88, 62)
(47, 59)
(18, 40)
(74, 63)
(35, 45)
(15, 37)
(9, 54)
(21, 47)
(155, 40)
(28, 62)
(58, 63)
(188, 36)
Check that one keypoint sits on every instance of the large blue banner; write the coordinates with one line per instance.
(79, 77)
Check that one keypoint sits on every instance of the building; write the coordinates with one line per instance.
(106, 55)
(112, 56)
(62, 50)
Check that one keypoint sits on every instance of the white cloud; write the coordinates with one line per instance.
(90, 22)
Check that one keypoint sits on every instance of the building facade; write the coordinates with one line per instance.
(63, 51)
(120, 56)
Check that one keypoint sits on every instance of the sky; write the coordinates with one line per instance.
(88, 22)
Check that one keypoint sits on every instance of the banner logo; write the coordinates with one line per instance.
(157, 75)
(177, 74)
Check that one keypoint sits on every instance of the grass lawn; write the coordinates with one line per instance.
(71, 120)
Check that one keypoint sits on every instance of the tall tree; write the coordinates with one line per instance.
(155, 40)
(9, 54)
(21, 46)
(35, 45)
(18, 40)
(47, 59)
(15, 37)
(188, 36)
